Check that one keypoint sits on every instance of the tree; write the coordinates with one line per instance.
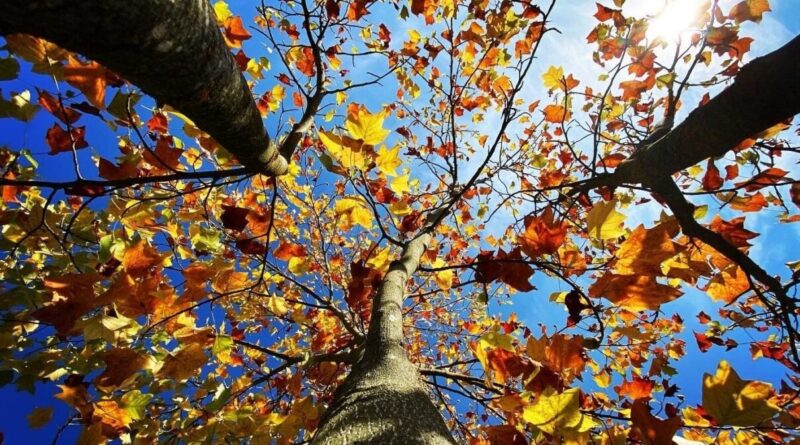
(335, 289)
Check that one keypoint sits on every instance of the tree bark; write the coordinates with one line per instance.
(172, 50)
(765, 93)
(383, 400)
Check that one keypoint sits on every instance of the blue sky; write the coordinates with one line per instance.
(574, 19)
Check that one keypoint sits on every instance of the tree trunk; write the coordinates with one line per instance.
(765, 93)
(383, 400)
(172, 50)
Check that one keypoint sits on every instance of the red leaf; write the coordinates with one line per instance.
(60, 140)
(234, 218)
(712, 180)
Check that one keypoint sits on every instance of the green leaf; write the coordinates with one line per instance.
(135, 403)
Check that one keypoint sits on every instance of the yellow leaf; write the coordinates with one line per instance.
(277, 305)
(348, 152)
(552, 77)
(222, 11)
(444, 278)
(352, 211)
(367, 127)
(39, 417)
(733, 401)
(388, 160)
(399, 185)
(558, 414)
(340, 97)
(604, 222)
(298, 265)
(400, 208)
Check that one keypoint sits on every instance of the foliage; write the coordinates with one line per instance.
(173, 296)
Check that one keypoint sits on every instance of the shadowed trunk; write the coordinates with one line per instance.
(765, 93)
(384, 400)
(172, 50)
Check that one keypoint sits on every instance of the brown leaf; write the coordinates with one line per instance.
(60, 140)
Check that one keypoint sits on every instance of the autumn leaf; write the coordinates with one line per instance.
(140, 258)
(121, 364)
(348, 152)
(635, 389)
(553, 78)
(558, 414)
(651, 429)
(542, 235)
(60, 140)
(555, 113)
(604, 222)
(644, 250)
(752, 10)
(353, 211)
(633, 292)
(235, 32)
(728, 284)
(89, 78)
(366, 127)
(183, 363)
(39, 417)
(733, 401)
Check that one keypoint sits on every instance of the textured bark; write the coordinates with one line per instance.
(766, 92)
(172, 50)
(383, 400)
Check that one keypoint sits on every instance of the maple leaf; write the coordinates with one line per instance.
(353, 211)
(542, 234)
(183, 363)
(112, 416)
(558, 414)
(234, 218)
(638, 388)
(235, 32)
(644, 250)
(553, 77)
(121, 364)
(752, 10)
(561, 353)
(555, 113)
(366, 127)
(633, 292)
(140, 258)
(651, 429)
(60, 140)
(65, 114)
(604, 222)
(712, 180)
(89, 78)
(728, 284)
(504, 435)
(387, 161)
(733, 401)
(348, 152)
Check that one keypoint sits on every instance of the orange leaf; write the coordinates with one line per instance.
(752, 10)
(766, 178)
(235, 32)
(89, 78)
(728, 284)
(555, 113)
(651, 429)
(288, 250)
(633, 292)
(645, 249)
(542, 234)
(638, 388)
(140, 258)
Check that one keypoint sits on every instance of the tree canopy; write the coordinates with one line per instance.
(364, 221)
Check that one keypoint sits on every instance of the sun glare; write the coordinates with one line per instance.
(675, 18)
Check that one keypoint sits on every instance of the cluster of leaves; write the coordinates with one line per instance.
(173, 296)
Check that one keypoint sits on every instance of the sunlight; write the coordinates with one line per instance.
(675, 18)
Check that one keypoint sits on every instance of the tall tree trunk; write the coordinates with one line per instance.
(172, 50)
(383, 400)
(766, 92)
